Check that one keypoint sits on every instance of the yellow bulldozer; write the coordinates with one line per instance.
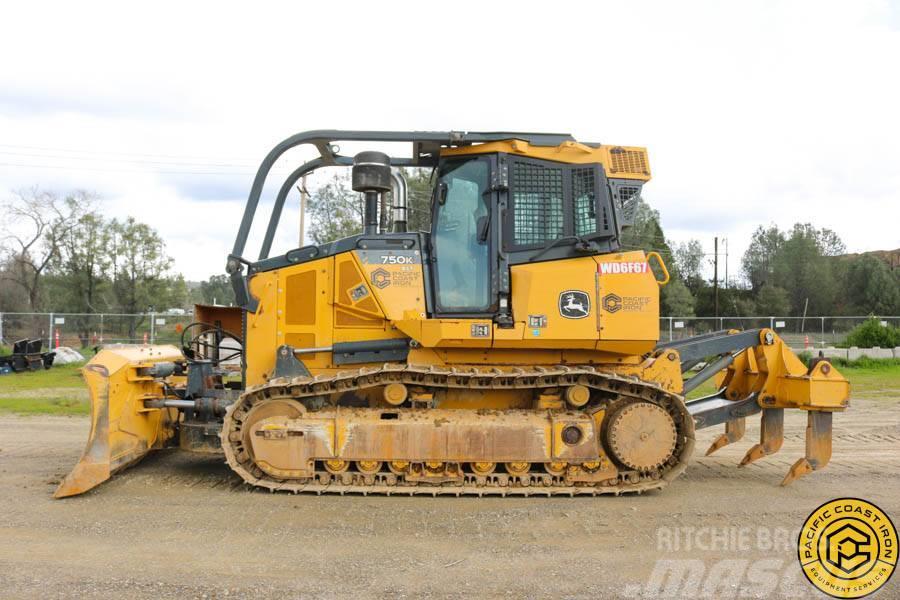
(513, 349)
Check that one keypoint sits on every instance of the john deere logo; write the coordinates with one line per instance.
(574, 304)
(612, 303)
(848, 548)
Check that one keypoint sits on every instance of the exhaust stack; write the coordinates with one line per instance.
(371, 176)
(399, 197)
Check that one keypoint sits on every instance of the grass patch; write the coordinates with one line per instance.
(871, 376)
(59, 390)
(61, 376)
(74, 404)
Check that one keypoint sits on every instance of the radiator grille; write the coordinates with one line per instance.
(628, 161)
(537, 203)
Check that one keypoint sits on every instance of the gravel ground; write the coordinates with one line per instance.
(182, 525)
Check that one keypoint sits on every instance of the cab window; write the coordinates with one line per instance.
(462, 272)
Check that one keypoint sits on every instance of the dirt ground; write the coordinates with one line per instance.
(179, 525)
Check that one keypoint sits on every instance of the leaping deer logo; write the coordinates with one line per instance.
(574, 304)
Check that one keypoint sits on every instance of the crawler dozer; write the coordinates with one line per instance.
(512, 349)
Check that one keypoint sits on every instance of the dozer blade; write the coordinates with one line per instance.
(123, 430)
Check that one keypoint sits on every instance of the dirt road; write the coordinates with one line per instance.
(178, 525)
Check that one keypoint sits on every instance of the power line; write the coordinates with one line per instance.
(128, 160)
(117, 153)
(157, 171)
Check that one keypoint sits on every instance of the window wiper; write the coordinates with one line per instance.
(584, 243)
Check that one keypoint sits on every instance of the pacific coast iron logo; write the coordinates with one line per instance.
(613, 303)
(848, 548)
(381, 278)
(574, 304)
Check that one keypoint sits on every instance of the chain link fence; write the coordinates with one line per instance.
(84, 331)
(799, 332)
(89, 330)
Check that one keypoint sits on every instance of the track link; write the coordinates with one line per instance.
(310, 390)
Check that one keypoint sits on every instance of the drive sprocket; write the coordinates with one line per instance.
(641, 435)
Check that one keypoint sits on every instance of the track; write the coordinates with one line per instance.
(307, 390)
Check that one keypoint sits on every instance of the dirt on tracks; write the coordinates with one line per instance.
(182, 525)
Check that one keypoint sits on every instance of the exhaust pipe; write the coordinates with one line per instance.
(400, 200)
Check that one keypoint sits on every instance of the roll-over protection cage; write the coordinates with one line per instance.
(425, 153)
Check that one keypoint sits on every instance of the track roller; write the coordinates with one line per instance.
(517, 467)
(483, 468)
(336, 466)
(368, 467)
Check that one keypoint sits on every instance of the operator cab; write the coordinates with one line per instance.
(491, 211)
(498, 200)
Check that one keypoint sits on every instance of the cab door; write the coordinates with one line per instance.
(462, 240)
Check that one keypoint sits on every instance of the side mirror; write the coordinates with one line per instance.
(441, 192)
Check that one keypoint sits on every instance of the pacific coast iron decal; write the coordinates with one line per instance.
(574, 304)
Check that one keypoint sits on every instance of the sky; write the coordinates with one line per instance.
(752, 112)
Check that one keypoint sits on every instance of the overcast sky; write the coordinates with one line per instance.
(752, 112)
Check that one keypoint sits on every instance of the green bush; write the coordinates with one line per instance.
(5, 350)
(872, 333)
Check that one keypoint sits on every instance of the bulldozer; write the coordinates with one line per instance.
(513, 349)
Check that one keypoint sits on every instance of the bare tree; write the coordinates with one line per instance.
(36, 223)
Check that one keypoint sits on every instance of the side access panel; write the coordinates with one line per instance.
(627, 300)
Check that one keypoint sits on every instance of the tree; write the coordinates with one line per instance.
(797, 263)
(802, 268)
(420, 184)
(676, 300)
(757, 262)
(36, 223)
(647, 234)
(83, 265)
(13, 298)
(872, 288)
(141, 270)
(689, 261)
(772, 300)
(217, 290)
(743, 305)
(827, 241)
(79, 276)
(335, 211)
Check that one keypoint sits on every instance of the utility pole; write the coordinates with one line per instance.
(726, 263)
(303, 194)
(716, 274)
